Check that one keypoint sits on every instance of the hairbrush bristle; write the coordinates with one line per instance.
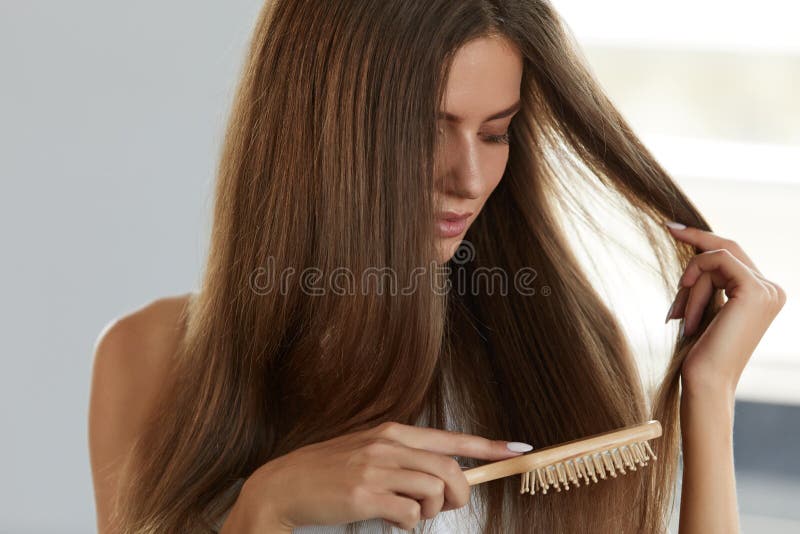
(589, 459)
(587, 467)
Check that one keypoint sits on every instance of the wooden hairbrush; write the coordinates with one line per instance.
(563, 464)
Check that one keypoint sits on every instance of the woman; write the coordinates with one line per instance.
(375, 138)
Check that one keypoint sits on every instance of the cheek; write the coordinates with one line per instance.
(493, 171)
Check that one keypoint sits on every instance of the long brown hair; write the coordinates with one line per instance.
(328, 164)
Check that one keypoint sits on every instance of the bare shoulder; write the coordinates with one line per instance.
(131, 353)
(130, 364)
(137, 339)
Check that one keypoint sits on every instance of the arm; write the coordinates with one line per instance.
(711, 370)
(112, 406)
(708, 496)
(127, 372)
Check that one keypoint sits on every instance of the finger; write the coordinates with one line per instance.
(699, 295)
(446, 441)
(705, 241)
(392, 454)
(734, 273)
(400, 511)
(678, 309)
(426, 489)
(678, 304)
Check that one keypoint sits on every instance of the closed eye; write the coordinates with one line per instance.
(499, 139)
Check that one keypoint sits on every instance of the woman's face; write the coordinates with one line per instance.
(481, 97)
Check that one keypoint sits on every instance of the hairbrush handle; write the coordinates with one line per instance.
(592, 446)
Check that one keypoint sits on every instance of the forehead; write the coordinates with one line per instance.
(485, 76)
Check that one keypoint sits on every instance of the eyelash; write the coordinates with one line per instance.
(502, 139)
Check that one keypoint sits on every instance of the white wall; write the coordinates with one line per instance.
(111, 115)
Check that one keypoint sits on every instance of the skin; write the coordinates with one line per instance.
(485, 79)
(711, 372)
(130, 364)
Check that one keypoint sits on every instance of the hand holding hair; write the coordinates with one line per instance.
(718, 357)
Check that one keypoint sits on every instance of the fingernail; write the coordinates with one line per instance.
(518, 446)
(675, 225)
(680, 330)
(669, 312)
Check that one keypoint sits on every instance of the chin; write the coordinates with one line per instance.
(447, 248)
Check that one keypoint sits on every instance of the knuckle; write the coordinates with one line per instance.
(778, 295)
(376, 448)
(364, 474)
(412, 512)
(452, 467)
(781, 295)
(461, 490)
(356, 494)
(466, 442)
(730, 244)
(461, 500)
(387, 428)
(765, 293)
(462, 496)
(429, 514)
(438, 486)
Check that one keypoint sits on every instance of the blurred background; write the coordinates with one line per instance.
(111, 119)
(711, 88)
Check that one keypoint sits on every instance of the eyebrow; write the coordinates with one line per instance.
(499, 115)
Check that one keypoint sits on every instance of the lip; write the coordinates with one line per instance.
(451, 223)
(452, 215)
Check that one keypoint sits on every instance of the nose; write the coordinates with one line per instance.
(459, 171)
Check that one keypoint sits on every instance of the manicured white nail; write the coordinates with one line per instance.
(518, 446)
(675, 225)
